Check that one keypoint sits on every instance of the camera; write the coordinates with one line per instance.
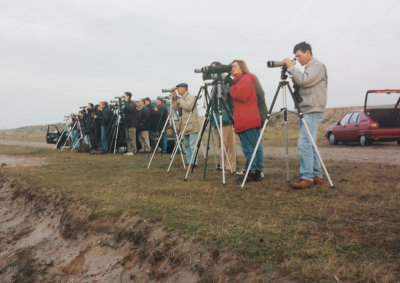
(211, 72)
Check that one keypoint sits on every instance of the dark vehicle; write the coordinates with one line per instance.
(53, 135)
(374, 123)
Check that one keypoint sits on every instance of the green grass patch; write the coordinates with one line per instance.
(352, 232)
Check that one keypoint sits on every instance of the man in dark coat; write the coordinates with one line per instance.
(144, 126)
(104, 117)
(161, 114)
(131, 123)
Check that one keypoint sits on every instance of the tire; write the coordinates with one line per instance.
(364, 141)
(332, 139)
(398, 142)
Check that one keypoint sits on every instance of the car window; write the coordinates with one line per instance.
(345, 119)
(355, 118)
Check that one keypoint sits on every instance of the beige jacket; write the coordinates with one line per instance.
(313, 84)
(186, 103)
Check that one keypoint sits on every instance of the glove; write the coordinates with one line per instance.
(228, 80)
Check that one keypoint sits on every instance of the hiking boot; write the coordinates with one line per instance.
(318, 181)
(302, 184)
(252, 177)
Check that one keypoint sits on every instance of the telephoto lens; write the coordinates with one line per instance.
(275, 64)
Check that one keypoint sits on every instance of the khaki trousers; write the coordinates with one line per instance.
(229, 142)
(144, 140)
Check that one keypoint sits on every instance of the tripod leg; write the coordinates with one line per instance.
(59, 139)
(177, 138)
(179, 141)
(158, 142)
(116, 134)
(194, 154)
(214, 151)
(223, 148)
(206, 158)
(69, 135)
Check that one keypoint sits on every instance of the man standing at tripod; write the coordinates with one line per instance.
(313, 83)
(186, 101)
(131, 123)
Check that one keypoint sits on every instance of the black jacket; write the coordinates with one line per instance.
(262, 105)
(131, 115)
(144, 119)
(105, 118)
(161, 116)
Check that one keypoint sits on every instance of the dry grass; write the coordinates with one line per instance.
(312, 235)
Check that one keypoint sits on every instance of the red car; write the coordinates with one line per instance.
(374, 123)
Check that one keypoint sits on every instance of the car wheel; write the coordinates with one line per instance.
(398, 142)
(364, 141)
(332, 139)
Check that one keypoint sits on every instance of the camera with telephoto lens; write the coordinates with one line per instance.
(212, 72)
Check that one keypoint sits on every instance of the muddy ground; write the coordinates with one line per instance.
(46, 238)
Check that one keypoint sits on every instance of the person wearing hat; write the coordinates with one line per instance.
(185, 102)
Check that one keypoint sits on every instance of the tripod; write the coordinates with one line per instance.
(214, 104)
(172, 120)
(79, 126)
(69, 135)
(62, 133)
(117, 122)
(283, 84)
(179, 141)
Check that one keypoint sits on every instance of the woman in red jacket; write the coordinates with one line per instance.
(246, 117)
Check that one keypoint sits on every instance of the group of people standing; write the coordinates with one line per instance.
(243, 112)
(141, 118)
(95, 123)
(246, 101)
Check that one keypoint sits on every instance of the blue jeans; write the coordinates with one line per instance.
(190, 145)
(164, 143)
(310, 165)
(249, 140)
(75, 139)
(103, 138)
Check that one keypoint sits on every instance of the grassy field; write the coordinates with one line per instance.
(352, 233)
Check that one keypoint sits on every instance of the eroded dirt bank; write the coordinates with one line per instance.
(46, 238)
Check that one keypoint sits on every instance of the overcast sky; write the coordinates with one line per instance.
(59, 55)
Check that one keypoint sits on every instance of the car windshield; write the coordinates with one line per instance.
(389, 99)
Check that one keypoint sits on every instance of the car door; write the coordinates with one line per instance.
(341, 128)
(353, 127)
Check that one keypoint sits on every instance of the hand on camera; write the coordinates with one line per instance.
(228, 80)
(289, 62)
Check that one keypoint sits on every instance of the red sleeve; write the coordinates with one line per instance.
(242, 90)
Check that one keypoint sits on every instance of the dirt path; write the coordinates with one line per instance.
(377, 153)
(381, 154)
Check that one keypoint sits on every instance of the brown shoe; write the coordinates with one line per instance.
(302, 184)
(318, 181)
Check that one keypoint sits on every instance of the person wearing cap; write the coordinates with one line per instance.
(185, 102)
